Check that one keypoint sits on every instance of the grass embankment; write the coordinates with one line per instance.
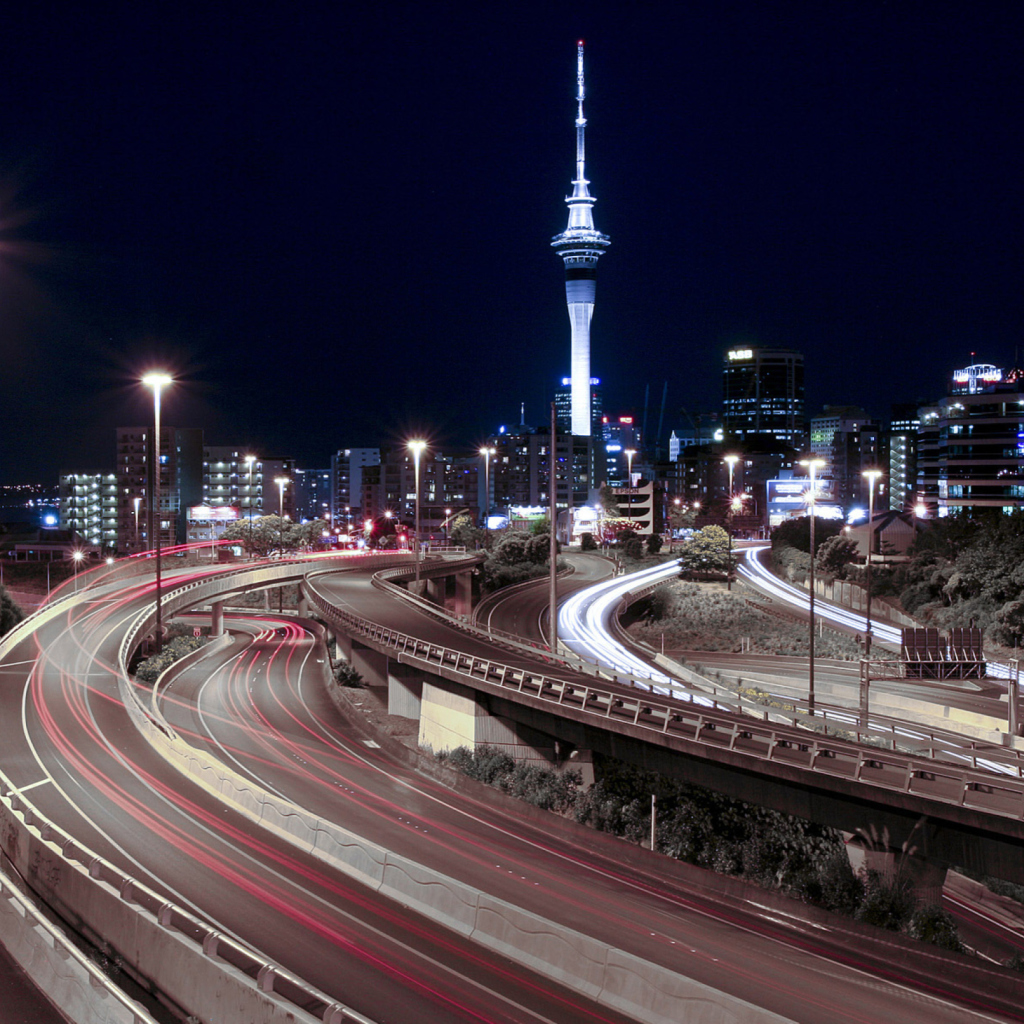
(707, 617)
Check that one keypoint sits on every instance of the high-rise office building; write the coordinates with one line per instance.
(845, 438)
(580, 245)
(763, 394)
(181, 484)
(902, 456)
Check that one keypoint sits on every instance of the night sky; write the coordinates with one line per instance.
(332, 221)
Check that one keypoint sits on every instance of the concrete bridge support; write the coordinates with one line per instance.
(452, 715)
(303, 603)
(436, 590)
(464, 594)
(217, 618)
(370, 664)
(405, 690)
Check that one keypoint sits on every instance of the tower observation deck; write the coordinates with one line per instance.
(580, 245)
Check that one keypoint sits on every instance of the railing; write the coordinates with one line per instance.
(715, 727)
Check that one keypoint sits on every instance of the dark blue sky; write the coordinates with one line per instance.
(334, 222)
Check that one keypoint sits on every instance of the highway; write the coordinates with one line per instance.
(70, 745)
(260, 705)
(255, 707)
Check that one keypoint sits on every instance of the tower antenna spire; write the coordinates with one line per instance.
(580, 245)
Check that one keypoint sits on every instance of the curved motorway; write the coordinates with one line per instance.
(260, 705)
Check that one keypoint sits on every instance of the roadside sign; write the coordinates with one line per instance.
(197, 631)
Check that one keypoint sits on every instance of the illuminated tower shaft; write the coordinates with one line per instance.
(580, 245)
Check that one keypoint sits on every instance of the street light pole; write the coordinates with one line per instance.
(156, 381)
(730, 461)
(872, 475)
(487, 453)
(629, 453)
(812, 465)
(416, 447)
(281, 482)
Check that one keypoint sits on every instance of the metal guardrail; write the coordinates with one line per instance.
(716, 728)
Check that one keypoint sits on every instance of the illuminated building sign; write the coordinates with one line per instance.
(209, 513)
(973, 378)
(566, 381)
(739, 354)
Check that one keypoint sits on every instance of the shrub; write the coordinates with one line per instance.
(174, 650)
(634, 548)
(931, 923)
(888, 902)
(587, 542)
(653, 544)
(346, 675)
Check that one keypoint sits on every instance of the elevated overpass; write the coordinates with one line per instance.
(956, 813)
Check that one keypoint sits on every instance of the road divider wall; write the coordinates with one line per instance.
(613, 977)
(60, 970)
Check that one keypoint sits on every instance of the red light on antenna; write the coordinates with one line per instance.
(580, 43)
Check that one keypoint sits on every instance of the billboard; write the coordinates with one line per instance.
(212, 513)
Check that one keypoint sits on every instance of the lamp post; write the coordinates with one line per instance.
(282, 482)
(136, 502)
(76, 557)
(872, 476)
(487, 453)
(416, 447)
(812, 466)
(730, 461)
(156, 381)
(629, 453)
(447, 524)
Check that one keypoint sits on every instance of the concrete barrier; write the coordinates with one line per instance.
(59, 969)
(650, 992)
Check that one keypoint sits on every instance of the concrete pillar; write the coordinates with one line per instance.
(435, 590)
(453, 716)
(463, 593)
(405, 690)
(303, 604)
(370, 664)
(344, 642)
(217, 618)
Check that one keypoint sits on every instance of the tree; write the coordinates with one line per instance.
(10, 613)
(833, 558)
(653, 544)
(465, 534)
(706, 553)
(606, 499)
(513, 549)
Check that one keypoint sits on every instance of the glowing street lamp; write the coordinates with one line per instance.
(487, 453)
(812, 466)
(730, 461)
(76, 557)
(136, 502)
(872, 476)
(157, 381)
(629, 453)
(417, 447)
(282, 482)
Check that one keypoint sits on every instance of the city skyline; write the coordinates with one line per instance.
(333, 229)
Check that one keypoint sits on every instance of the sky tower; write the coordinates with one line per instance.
(580, 245)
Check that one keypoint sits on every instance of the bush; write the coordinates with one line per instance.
(634, 548)
(174, 650)
(587, 542)
(654, 544)
(888, 902)
(931, 923)
(346, 675)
